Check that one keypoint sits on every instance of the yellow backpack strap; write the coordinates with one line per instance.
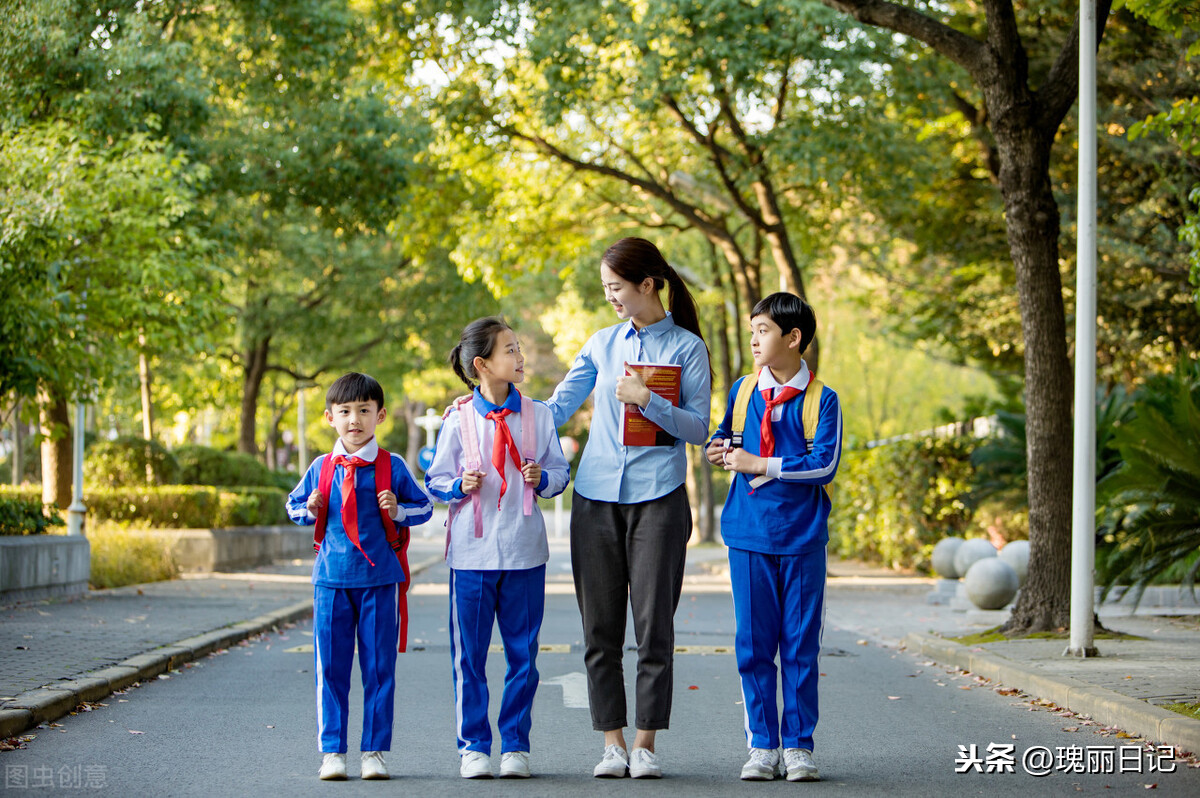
(740, 405)
(812, 411)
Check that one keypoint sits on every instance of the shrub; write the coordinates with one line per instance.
(204, 465)
(893, 503)
(22, 513)
(188, 506)
(120, 557)
(129, 461)
(1151, 504)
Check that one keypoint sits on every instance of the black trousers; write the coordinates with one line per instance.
(629, 555)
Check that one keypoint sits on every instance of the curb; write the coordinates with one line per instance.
(55, 700)
(1103, 705)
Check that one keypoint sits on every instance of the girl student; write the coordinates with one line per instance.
(630, 518)
(495, 450)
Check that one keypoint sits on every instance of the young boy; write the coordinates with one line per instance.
(775, 523)
(357, 575)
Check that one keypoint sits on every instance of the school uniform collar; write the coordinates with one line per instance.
(660, 327)
(799, 381)
(483, 406)
(368, 452)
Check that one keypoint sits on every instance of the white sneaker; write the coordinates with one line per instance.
(763, 765)
(800, 765)
(514, 765)
(373, 766)
(643, 764)
(614, 765)
(475, 765)
(333, 768)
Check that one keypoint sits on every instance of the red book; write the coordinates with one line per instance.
(663, 379)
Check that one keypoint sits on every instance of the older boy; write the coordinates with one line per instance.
(775, 523)
(359, 570)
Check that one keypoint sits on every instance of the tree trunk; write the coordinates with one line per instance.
(56, 449)
(144, 378)
(252, 377)
(1031, 216)
(18, 451)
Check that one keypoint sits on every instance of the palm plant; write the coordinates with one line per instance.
(1151, 503)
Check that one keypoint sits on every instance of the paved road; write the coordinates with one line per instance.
(241, 722)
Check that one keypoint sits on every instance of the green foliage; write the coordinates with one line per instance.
(22, 513)
(129, 462)
(1151, 503)
(204, 465)
(1001, 469)
(188, 506)
(893, 503)
(121, 557)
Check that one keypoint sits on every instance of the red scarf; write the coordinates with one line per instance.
(502, 444)
(786, 392)
(349, 502)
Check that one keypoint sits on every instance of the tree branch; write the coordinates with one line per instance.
(1062, 83)
(955, 45)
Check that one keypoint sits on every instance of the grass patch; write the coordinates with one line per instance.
(1191, 710)
(993, 636)
(120, 557)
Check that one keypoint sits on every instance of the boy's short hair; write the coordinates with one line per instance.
(354, 387)
(790, 312)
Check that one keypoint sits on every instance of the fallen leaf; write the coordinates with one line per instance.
(693, 687)
(131, 731)
(1070, 728)
(893, 698)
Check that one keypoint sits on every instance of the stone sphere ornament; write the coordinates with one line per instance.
(943, 557)
(971, 551)
(991, 583)
(1016, 554)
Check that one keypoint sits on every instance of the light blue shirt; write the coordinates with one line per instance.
(608, 470)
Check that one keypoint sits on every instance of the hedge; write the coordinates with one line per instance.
(204, 465)
(128, 461)
(188, 506)
(22, 513)
(893, 503)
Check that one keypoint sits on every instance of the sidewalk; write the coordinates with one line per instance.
(55, 655)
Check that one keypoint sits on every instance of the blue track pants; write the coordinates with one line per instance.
(516, 601)
(341, 617)
(779, 605)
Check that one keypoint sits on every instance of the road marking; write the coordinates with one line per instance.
(574, 687)
(703, 649)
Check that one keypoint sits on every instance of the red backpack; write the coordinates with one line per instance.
(397, 537)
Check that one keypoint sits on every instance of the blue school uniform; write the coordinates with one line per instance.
(355, 601)
(777, 534)
(498, 578)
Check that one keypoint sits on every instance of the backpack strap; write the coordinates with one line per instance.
(324, 487)
(528, 444)
(740, 407)
(812, 412)
(471, 460)
(398, 538)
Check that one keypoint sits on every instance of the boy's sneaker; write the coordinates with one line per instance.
(614, 765)
(475, 765)
(333, 768)
(643, 764)
(763, 765)
(514, 765)
(373, 766)
(800, 765)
